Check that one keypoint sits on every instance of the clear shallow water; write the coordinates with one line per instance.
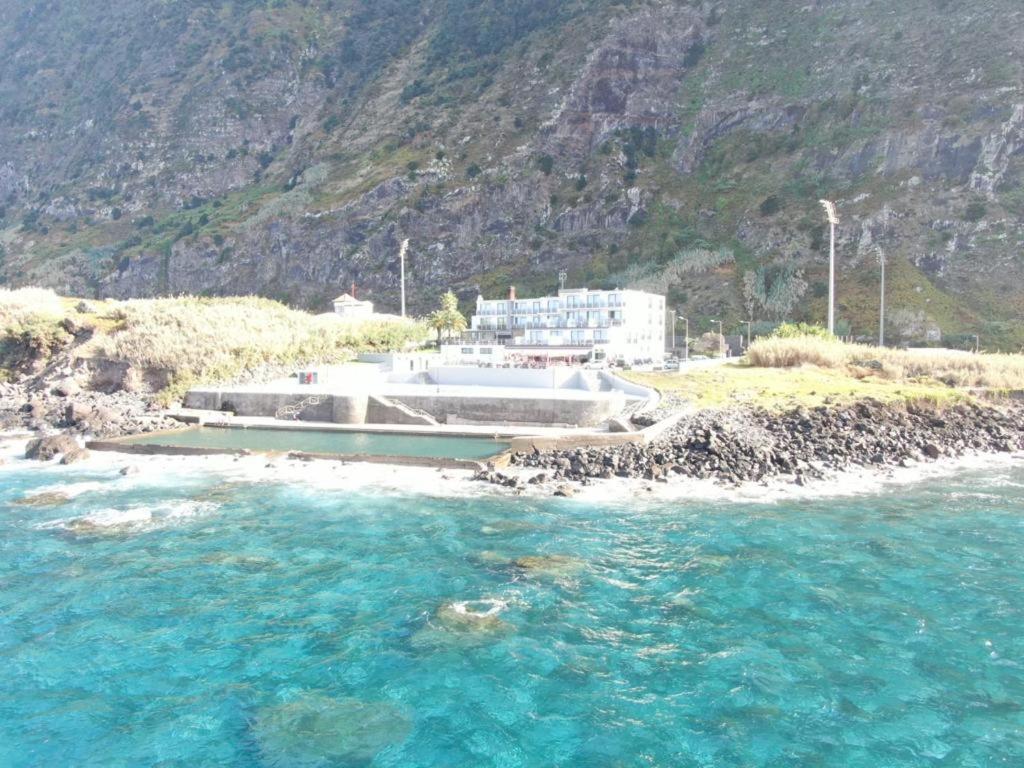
(370, 443)
(189, 621)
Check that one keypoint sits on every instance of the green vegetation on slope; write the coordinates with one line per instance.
(187, 340)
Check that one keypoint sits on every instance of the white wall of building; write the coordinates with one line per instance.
(348, 307)
(472, 354)
(622, 323)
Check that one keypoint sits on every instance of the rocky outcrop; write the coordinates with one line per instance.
(752, 446)
(48, 448)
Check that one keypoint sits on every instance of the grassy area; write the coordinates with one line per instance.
(780, 373)
(776, 389)
(192, 339)
(949, 368)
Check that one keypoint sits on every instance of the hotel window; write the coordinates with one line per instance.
(467, 350)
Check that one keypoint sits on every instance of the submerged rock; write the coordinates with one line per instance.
(317, 730)
(464, 623)
(549, 565)
(45, 499)
(473, 615)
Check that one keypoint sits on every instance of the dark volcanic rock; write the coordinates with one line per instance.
(46, 448)
(750, 445)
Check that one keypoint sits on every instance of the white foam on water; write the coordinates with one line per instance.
(482, 608)
(394, 480)
(137, 517)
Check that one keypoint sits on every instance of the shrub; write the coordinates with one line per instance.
(770, 205)
(975, 211)
(799, 330)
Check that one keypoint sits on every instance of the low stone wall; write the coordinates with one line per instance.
(339, 409)
(364, 409)
(113, 446)
(520, 411)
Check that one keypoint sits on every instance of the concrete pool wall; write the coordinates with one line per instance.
(442, 395)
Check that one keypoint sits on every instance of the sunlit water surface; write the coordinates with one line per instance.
(192, 621)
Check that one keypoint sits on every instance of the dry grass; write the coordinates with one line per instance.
(192, 339)
(30, 327)
(213, 340)
(24, 304)
(951, 368)
(781, 389)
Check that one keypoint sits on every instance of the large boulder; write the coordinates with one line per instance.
(74, 455)
(47, 448)
(66, 388)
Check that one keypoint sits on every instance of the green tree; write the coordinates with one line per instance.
(447, 320)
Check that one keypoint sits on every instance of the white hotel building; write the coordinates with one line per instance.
(576, 323)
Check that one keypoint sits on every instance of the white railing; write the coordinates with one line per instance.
(293, 410)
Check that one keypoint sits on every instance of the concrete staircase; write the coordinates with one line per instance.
(385, 410)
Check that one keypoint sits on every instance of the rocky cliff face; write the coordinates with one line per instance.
(287, 148)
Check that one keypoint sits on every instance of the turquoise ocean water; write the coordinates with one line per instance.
(190, 621)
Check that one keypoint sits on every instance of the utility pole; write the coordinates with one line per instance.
(881, 311)
(750, 324)
(673, 331)
(401, 257)
(562, 276)
(833, 219)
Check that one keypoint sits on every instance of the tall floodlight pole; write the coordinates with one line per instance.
(881, 310)
(401, 258)
(833, 219)
(686, 339)
(721, 339)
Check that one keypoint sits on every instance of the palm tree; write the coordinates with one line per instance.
(447, 319)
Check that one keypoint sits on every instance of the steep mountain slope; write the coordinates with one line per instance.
(287, 147)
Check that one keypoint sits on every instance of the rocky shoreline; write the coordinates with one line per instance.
(61, 411)
(745, 445)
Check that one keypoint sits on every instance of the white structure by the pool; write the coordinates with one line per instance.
(577, 322)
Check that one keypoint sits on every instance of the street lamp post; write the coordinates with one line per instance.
(686, 339)
(833, 219)
(401, 258)
(881, 310)
(721, 339)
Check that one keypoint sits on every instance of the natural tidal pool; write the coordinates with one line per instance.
(193, 620)
(339, 442)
